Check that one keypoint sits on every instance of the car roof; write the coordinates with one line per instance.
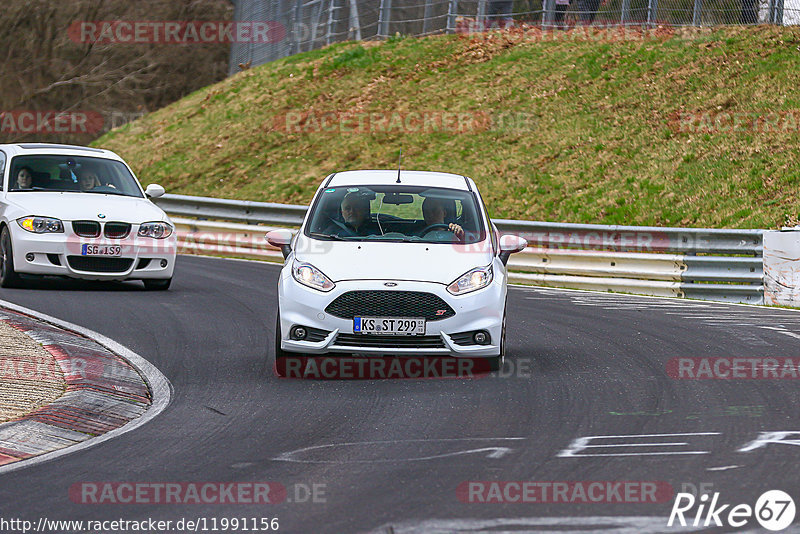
(389, 177)
(32, 149)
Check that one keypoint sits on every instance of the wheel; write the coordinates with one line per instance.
(496, 362)
(280, 354)
(8, 276)
(157, 285)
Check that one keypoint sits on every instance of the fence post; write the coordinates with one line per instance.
(625, 15)
(332, 7)
(426, 17)
(355, 23)
(452, 11)
(481, 16)
(652, 12)
(775, 14)
(297, 27)
(384, 17)
(697, 14)
(548, 17)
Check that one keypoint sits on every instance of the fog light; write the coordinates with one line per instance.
(481, 338)
(29, 256)
(299, 333)
(163, 264)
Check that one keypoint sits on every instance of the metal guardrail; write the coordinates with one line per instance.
(702, 263)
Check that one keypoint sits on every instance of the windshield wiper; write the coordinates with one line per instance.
(119, 194)
(326, 236)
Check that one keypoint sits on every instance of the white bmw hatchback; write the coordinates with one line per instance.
(394, 263)
(80, 212)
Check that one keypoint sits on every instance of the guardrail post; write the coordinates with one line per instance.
(452, 12)
(384, 18)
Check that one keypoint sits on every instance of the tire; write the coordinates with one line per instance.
(280, 354)
(496, 362)
(8, 276)
(157, 285)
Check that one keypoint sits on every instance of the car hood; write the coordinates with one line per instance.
(441, 263)
(78, 206)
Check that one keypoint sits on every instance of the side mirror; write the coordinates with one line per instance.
(154, 191)
(282, 239)
(509, 244)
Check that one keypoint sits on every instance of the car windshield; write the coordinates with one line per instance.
(72, 174)
(396, 213)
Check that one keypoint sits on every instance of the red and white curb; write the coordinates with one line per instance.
(110, 391)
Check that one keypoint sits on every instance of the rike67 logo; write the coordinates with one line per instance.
(774, 510)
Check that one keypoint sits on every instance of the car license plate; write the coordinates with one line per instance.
(101, 250)
(411, 326)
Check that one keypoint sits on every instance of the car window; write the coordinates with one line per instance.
(2, 169)
(396, 213)
(72, 174)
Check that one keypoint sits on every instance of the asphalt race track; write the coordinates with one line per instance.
(388, 456)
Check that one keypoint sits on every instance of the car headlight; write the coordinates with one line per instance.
(471, 280)
(41, 225)
(156, 230)
(310, 276)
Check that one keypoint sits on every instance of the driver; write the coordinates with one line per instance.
(434, 212)
(355, 212)
(88, 180)
(25, 178)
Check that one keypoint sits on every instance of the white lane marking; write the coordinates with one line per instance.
(581, 444)
(160, 387)
(765, 438)
(723, 468)
(494, 452)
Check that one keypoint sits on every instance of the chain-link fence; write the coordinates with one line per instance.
(302, 25)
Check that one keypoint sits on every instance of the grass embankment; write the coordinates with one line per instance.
(613, 128)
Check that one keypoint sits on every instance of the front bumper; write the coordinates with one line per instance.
(479, 310)
(52, 253)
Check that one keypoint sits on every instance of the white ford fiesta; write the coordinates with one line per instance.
(80, 212)
(397, 263)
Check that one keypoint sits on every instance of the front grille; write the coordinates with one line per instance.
(86, 228)
(117, 230)
(390, 304)
(369, 340)
(93, 264)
